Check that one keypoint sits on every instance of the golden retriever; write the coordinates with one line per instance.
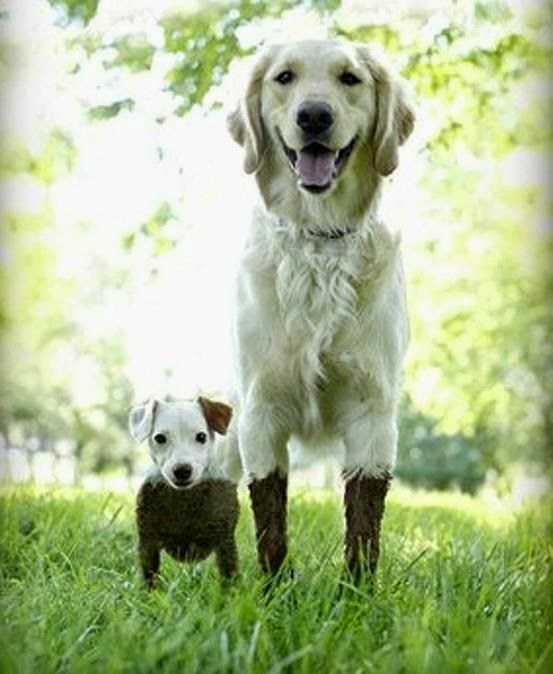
(320, 326)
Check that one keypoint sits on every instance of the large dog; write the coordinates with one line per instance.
(320, 324)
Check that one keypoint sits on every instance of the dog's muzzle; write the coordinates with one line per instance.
(314, 118)
(182, 475)
(316, 165)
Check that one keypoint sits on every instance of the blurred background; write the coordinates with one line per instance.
(123, 206)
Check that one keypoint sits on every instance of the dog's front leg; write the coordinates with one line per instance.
(149, 553)
(269, 502)
(265, 460)
(370, 456)
(364, 498)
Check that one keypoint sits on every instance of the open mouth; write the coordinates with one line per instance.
(178, 484)
(181, 485)
(316, 166)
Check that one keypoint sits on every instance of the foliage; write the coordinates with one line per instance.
(41, 401)
(106, 111)
(154, 230)
(432, 459)
(460, 589)
(76, 10)
(54, 159)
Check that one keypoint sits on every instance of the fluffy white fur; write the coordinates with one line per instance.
(321, 326)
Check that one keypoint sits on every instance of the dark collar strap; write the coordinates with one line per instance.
(331, 235)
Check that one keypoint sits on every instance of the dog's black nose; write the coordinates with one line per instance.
(182, 472)
(314, 117)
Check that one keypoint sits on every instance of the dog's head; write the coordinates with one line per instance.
(181, 436)
(319, 109)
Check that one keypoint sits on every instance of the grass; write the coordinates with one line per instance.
(461, 588)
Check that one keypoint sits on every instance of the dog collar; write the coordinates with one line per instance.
(332, 235)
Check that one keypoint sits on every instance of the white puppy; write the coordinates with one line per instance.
(181, 438)
(185, 506)
(321, 324)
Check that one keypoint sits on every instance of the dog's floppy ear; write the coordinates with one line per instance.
(245, 123)
(141, 420)
(217, 415)
(395, 117)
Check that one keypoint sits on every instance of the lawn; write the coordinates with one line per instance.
(462, 587)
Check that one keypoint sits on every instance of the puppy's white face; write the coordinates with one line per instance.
(318, 105)
(181, 443)
(181, 436)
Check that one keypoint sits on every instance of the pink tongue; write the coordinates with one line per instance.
(315, 169)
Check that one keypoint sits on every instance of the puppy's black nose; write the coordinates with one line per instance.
(182, 472)
(314, 117)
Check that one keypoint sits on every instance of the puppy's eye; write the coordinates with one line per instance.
(201, 438)
(160, 438)
(349, 79)
(285, 77)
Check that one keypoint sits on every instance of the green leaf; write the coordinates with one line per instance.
(108, 111)
(76, 10)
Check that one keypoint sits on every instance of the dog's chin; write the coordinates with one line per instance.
(179, 486)
(317, 167)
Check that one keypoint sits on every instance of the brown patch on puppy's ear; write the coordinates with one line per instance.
(217, 415)
(395, 117)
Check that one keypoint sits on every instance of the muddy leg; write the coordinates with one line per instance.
(269, 500)
(364, 498)
(149, 561)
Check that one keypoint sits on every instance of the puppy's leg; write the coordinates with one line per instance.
(370, 456)
(149, 553)
(265, 461)
(227, 558)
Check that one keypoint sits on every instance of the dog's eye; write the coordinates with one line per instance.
(201, 438)
(349, 79)
(285, 77)
(160, 438)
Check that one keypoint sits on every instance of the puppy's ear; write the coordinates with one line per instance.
(141, 420)
(217, 415)
(245, 123)
(395, 117)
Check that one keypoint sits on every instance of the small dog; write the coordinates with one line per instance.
(185, 506)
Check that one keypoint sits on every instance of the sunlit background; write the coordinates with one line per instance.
(123, 207)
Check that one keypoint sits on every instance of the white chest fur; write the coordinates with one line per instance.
(313, 309)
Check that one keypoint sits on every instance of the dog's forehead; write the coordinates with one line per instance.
(179, 416)
(315, 53)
